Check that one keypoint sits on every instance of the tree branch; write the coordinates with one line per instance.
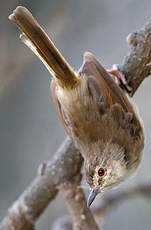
(108, 202)
(31, 204)
(63, 172)
(136, 65)
(76, 203)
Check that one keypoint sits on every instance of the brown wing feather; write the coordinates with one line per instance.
(109, 89)
(114, 97)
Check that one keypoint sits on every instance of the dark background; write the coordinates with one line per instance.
(30, 131)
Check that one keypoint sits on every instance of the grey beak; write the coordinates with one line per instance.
(92, 196)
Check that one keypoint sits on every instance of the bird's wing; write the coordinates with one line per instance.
(108, 88)
(118, 105)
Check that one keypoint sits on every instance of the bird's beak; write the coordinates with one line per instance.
(92, 196)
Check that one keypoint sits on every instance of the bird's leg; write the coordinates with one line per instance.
(119, 77)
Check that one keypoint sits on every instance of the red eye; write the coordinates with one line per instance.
(101, 172)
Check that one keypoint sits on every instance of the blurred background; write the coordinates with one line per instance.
(30, 131)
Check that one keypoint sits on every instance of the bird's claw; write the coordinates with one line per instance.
(119, 77)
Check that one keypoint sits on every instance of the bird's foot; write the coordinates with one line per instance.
(119, 77)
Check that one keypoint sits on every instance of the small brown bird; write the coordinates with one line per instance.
(96, 113)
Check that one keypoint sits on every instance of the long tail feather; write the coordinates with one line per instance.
(38, 41)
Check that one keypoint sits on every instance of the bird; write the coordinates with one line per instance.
(97, 114)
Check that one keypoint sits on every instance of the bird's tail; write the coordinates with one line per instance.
(38, 41)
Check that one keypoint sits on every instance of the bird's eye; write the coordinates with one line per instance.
(101, 172)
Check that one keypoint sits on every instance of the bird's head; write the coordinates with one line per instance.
(105, 169)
